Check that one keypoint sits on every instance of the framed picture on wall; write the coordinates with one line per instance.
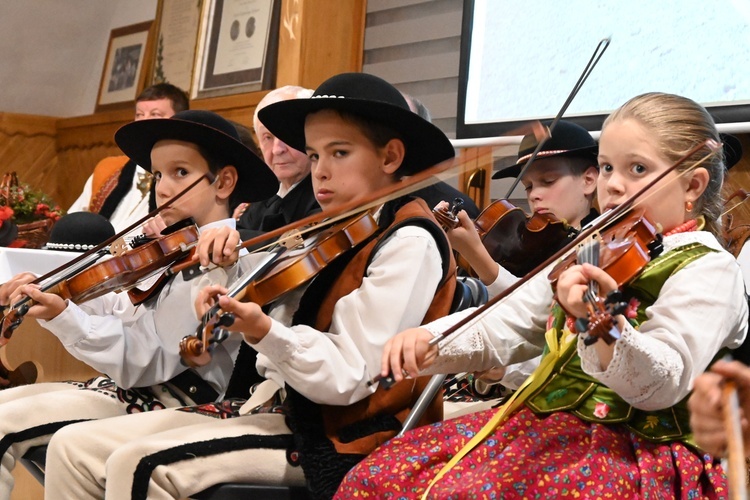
(176, 36)
(123, 76)
(237, 47)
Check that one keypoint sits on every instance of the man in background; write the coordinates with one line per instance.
(119, 190)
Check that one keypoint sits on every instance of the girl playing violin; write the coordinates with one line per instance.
(600, 419)
(137, 348)
(316, 415)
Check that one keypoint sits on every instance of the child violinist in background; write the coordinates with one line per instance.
(137, 348)
(596, 420)
(561, 182)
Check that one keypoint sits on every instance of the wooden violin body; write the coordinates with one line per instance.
(514, 240)
(624, 249)
(112, 275)
(292, 269)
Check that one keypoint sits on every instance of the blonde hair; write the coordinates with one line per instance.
(678, 124)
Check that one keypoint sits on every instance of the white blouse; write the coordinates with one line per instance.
(700, 309)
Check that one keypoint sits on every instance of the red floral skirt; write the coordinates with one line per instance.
(530, 456)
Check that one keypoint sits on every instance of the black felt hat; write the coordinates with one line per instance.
(8, 232)
(78, 232)
(211, 132)
(567, 139)
(371, 98)
(732, 150)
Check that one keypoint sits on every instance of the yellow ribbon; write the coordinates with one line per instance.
(557, 350)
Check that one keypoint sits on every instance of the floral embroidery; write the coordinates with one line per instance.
(631, 311)
(652, 421)
(601, 410)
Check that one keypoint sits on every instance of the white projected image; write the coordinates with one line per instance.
(526, 55)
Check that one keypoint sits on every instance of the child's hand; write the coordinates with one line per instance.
(47, 305)
(218, 245)
(9, 287)
(464, 238)
(573, 284)
(249, 319)
(207, 298)
(153, 227)
(240, 210)
(406, 354)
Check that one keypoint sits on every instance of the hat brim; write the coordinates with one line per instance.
(426, 145)
(514, 170)
(256, 181)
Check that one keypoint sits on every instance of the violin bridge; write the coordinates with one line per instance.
(119, 247)
(291, 239)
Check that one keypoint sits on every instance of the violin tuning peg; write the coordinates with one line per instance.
(226, 319)
(590, 340)
(582, 325)
(23, 310)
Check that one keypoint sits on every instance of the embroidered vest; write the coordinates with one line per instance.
(105, 178)
(332, 439)
(570, 389)
(399, 399)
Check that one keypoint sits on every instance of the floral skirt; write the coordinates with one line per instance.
(531, 456)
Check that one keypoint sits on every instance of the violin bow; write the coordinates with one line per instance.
(601, 47)
(408, 185)
(734, 465)
(77, 264)
(595, 227)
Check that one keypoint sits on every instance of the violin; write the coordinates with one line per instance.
(113, 275)
(283, 271)
(622, 250)
(515, 240)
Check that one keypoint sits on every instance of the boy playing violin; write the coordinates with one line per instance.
(316, 415)
(137, 347)
(561, 182)
(599, 418)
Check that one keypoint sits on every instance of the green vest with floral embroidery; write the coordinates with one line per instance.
(570, 389)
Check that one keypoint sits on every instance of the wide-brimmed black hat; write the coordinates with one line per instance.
(567, 139)
(371, 98)
(211, 132)
(79, 231)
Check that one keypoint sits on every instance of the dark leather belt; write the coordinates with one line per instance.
(195, 387)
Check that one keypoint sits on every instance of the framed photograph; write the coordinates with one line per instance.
(237, 47)
(175, 40)
(123, 76)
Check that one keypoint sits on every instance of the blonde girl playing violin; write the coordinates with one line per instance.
(599, 420)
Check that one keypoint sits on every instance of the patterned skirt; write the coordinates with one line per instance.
(531, 456)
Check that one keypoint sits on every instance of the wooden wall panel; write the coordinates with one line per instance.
(27, 145)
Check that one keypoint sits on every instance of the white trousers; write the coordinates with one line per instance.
(167, 454)
(30, 414)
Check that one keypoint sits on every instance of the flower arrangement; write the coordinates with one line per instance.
(31, 210)
(24, 203)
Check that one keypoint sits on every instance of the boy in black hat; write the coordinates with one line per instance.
(562, 182)
(316, 409)
(138, 348)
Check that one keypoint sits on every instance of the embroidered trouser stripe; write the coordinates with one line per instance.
(34, 432)
(146, 466)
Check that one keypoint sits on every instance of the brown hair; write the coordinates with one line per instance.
(678, 124)
(176, 96)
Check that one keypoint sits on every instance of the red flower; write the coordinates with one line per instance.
(5, 213)
(631, 311)
(601, 410)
